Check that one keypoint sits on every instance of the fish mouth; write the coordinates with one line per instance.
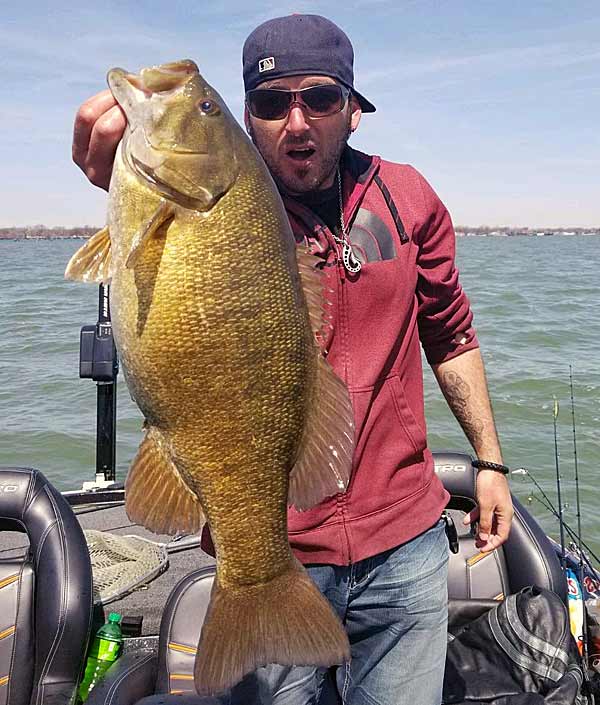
(147, 173)
(164, 187)
(166, 77)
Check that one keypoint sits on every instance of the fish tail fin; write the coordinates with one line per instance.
(285, 621)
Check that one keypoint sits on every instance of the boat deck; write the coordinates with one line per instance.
(147, 600)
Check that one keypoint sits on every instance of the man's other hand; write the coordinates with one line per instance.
(99, 126)
(494, 510)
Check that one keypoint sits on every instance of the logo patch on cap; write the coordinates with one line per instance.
(267, 64)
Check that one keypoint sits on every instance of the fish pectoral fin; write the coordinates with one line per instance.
(312, 280)
(156, 495)
(324, 461)
(285, 620)
(91, 263)
(162, 214)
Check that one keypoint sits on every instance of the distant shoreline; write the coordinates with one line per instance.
(524, 232)
(40, 232)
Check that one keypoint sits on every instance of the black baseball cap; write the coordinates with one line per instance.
(296, 45)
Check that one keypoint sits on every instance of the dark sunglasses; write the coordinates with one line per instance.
(317, 101)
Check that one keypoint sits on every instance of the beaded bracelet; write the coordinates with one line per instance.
(487, 465)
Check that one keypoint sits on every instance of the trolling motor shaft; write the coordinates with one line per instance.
(98, 361)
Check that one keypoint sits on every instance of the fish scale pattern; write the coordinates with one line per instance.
(215, 340)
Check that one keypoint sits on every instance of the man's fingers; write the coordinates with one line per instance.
(490, 544)
(503, 524)
(486, 517)
(105, 137)
(471, 517)
(87, 116)
(483, 540)
(99, 126)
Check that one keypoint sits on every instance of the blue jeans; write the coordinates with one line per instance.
(395, 609)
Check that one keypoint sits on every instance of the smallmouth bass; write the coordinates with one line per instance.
(215, 311)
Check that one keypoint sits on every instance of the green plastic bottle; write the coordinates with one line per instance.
(104, 651)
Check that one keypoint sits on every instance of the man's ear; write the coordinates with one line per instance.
(356, 114)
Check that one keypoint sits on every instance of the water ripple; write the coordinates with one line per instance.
(535, 303)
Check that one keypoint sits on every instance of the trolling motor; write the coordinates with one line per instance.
(98, 361)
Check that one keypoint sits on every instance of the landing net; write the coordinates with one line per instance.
(120, 564)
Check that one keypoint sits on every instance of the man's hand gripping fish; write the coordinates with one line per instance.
(215, 312)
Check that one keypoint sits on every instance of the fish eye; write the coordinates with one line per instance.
(207, 107)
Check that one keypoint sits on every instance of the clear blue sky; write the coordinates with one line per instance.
(497, 103)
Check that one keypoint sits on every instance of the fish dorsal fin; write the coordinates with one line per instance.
(156, 495)
(91, 263)
(164, 212)
(324, 460)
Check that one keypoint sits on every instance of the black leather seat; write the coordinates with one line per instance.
(476, 581)
(45, 599)
(143, 673)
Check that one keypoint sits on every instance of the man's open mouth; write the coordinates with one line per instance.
(301, 155)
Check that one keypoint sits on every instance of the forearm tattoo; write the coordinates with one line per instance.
(458, 395)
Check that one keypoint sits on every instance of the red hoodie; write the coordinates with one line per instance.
(407, 291)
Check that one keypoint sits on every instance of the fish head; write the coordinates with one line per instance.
(181, 136)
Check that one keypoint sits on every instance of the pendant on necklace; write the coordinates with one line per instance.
(352, 264)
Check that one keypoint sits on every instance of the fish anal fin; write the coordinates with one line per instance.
(91, 263)
(156, 495)
(161, 215)
(324, 462)
(286, 621)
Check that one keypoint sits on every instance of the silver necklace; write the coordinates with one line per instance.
(351, 264)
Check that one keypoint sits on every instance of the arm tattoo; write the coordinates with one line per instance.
(458, 393)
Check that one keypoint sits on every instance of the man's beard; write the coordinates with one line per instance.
(298, 182)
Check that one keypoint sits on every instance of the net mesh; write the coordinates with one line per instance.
(120, 564)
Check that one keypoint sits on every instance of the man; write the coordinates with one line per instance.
(378, 552)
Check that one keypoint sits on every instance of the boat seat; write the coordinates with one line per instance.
(45, 598)
(143, 673)
(476, 582)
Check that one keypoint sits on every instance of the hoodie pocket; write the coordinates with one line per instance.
(413, 430)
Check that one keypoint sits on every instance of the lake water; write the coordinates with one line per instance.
(536, 303)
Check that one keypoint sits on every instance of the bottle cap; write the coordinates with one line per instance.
(114, 617)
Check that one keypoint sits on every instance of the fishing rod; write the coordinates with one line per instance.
(546, 502)
(577, 496)
(560, 506)
(578, 503)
